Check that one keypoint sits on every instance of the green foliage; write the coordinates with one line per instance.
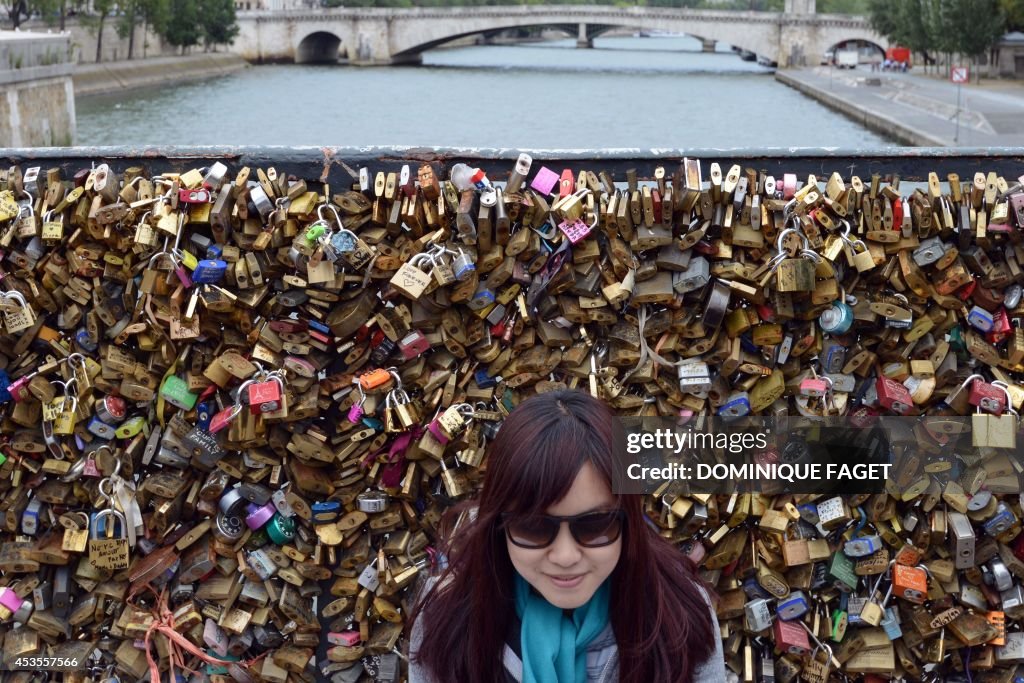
(218, 23)
(1014, 11)
(183, 26)
(967, 27)
(842, 6)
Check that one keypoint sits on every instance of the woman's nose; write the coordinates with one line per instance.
(564, 552)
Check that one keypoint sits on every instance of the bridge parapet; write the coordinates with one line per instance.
(370, 36)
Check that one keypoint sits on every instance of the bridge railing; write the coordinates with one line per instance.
(339, 167)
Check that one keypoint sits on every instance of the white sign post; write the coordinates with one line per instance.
(959, 75)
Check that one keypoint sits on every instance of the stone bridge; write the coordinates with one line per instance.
(378, 36)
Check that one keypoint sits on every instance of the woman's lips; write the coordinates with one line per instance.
(566, 581)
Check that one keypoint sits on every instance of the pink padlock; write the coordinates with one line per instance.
(10, 600)
(349, 638)
(355, 413)
(813, 387)
(19, 387)
(545, 181)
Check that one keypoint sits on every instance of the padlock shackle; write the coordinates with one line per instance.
(1006, 390)
(75, 473)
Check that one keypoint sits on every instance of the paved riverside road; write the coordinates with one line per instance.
(992, 114)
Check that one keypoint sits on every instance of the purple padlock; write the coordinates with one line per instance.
(258, 515)
(182, 274)
(355, 413)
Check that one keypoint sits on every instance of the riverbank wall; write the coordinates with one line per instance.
(112, 77)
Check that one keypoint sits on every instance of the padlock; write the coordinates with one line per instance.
(410, 280)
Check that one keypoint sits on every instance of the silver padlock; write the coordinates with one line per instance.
(463, 265)
(694, 378)
(757, 615)
(929, 251)
(696, 276)
(962, 536)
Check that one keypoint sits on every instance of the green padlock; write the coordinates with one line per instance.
(130, 427)
(280, 529)
(175, 391)
(841, 573)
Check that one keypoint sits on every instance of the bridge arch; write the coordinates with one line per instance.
(430, 39)
(318, 47)
(863, 46)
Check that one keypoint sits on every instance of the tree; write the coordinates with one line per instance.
(218, 23)
(16, 11)
(182, 28)
(101, 9)
(1014, 12)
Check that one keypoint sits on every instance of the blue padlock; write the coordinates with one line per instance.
(209, 271)
(483, 380)
(98, 427)
(891, 623)
(319, 327)
(854, 606)
(737, 405)
(326, 511)
(793, 606)
(747, 344)
(754, 590)
(5, 381)
(862, 546)
(203, 415)
(214, 251)
(809, 513)
(481, 299)
(85, 340)
(1002, 520)
(980, 319)
(373, 423)
(99, 526)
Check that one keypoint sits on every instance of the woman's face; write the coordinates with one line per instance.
(566, 573)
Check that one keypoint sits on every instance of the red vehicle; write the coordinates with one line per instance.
(898, 54)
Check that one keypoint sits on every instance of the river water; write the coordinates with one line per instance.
(658, 92)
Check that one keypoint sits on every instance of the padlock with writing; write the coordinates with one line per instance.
(410, 280)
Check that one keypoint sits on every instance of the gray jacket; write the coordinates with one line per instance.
(602, 657)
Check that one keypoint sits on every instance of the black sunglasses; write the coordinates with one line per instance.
(591, 529)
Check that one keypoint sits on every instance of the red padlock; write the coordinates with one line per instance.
(1001, 327)
(413, 344)
(893, 396)
(989, 398)
(223, 418)
(790, 637)
(863, 416)
(264, 397)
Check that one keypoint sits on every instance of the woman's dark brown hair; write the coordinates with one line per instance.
(662, 623)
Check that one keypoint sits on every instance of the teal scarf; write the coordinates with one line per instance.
(554, 646)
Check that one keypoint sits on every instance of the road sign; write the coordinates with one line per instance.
(958, 74)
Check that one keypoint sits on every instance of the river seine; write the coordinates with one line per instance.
(626, 92)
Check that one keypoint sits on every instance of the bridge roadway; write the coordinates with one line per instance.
(380, 36)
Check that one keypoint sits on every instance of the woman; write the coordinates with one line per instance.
(555, 579)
